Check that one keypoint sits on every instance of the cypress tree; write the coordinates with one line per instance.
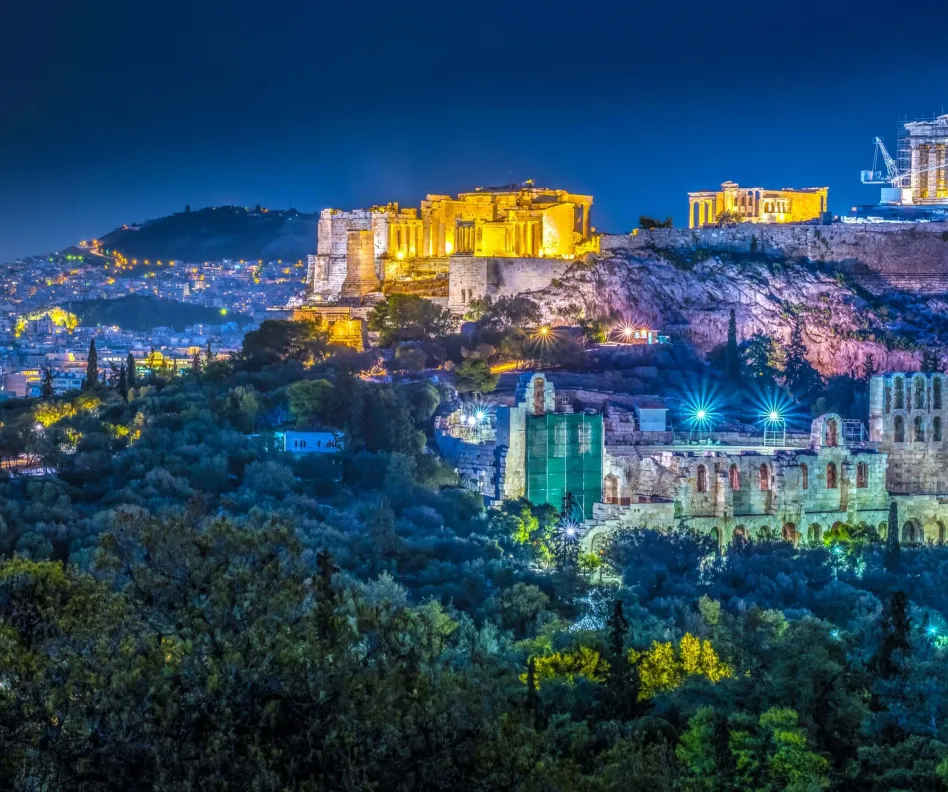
(130, 371)
(123, 382)
(799, 376)
(732, 358)
(892, 548)
(869, 369)
(46, 389)
(196, 364)
(92, 367)
(208, 355)
(896, 629)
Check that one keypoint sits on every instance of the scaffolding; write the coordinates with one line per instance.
(564, 454)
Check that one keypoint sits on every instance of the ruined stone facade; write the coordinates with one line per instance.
(757, 205)
(520, 221)
(473, 277)
(797, 492)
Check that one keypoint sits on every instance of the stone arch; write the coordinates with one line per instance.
(610, 489)
(825, 431)
(734, 477)
(765, 482)
(804, 476)
(919, 400)
(832, 433)
(715, 534)
(918, 435)
(898, 425)
(912, 533)
(898, 393)
(789, 532)
(883, 529)
(831, 476)
(814, 534)
(936, 429)
(862, 475)
(936, 393)
(702, 478)
(940, 531)
(764, 534)
(739, 534)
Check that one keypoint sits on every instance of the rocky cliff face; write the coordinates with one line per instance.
(691, 300)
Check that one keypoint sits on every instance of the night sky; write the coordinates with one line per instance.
(116, 111)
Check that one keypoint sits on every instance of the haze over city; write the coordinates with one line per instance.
(116, 113)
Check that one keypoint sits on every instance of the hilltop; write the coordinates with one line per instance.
(218, 232)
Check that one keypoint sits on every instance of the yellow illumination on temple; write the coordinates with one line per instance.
(735, 204)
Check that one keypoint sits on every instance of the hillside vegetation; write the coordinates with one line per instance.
(219, 232)
(136, 312)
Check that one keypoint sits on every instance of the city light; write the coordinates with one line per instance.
(774, 416)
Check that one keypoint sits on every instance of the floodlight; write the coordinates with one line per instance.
(544, 331)
(570, 531)
(932, 630)
(774, 416)
(479, 415)
(701, 414)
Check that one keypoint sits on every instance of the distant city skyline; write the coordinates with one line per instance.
(117, 114)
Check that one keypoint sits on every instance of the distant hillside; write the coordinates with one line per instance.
(231, 232)
(136, 312)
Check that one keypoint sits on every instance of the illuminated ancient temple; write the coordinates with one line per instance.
(515, 221)
(756, 205)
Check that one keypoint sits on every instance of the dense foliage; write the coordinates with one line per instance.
(184, 607)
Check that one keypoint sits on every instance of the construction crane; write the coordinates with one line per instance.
(892, 175)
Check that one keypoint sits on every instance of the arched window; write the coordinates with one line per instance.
(734, 477)
(936, 429)
(831, 433)
(919, 393)
(804, 477)
(936, 393)
(610, 489)
(888, 398)
(789, 533)
(862, 475)
(919, 429)
(814, 534)
(764, 477)
(899, 426)
(899, 394)
(831, 476)
(702, 478)
(740, 534)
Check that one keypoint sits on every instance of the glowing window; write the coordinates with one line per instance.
(831, 476)
(734, 477)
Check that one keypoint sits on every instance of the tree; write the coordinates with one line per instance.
(896, 626)
(474, 375)
(869, 369)
(278, 340)
(931, 362)
(732, 358)
(727, 218)
(648, 223)
(130, 369)
(310, 400)
(800, 377)
(409, 357)
(406, 317)
(92, 368)
(46, 389)
(196, 363)
(210, 357)
(763, 358)
(123, 382)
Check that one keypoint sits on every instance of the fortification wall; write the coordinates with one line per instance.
(908, 256)
(473, 277)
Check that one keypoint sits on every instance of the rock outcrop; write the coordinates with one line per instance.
(842, 322)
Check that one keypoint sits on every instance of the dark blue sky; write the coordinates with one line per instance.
(116, 111)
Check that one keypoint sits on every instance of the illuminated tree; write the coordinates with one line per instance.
(474, 375)
(123, 382)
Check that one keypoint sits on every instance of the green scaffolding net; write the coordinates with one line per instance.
(564, 454)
